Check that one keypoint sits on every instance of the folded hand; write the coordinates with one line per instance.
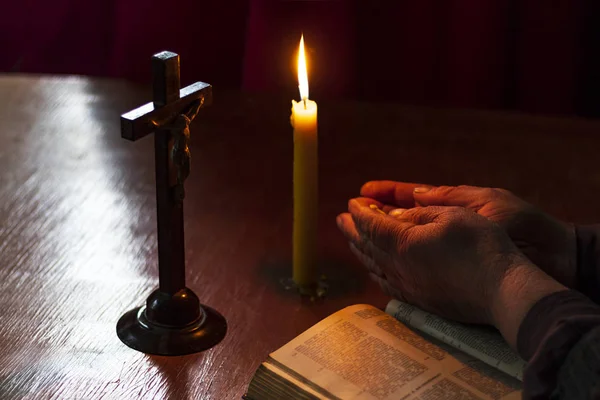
(546, 241)
(448, 260)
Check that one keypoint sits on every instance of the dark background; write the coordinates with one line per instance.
(536, 56)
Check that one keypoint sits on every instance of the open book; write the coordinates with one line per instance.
(361, 352)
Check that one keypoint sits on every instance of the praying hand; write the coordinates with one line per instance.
(482, 255)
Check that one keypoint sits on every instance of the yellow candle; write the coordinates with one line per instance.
(306, 181)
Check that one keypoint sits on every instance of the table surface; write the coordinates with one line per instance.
(78, 225)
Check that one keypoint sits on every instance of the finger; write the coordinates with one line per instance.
(367, 261)
(396, 212)
(399, 194)
(382, 231)
(422, 215)
(383, 284)
(373, 205)
(368, 202)
(471, 197)
(387, 208)
(346, 224)
(387, 287)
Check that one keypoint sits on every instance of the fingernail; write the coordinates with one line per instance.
(397, 211)
(422, 190)
(338, 220)
(375, 208)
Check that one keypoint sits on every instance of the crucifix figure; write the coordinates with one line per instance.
(173, 322)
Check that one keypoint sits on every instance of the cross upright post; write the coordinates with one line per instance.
(171, 253)
(173, 322)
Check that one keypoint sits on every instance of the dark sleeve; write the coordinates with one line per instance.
(560, 337)
(588, 261)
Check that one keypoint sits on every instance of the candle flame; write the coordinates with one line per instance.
(302, 75)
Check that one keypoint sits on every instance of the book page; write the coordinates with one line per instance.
(483, 343)
(364, 354)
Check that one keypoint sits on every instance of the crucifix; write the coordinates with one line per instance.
(173, 322)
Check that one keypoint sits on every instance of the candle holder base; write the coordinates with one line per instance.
(315, 291)
(172, 325)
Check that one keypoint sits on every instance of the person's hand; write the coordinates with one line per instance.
(447, 260)
(546, 241)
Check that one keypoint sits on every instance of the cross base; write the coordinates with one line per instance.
(172, 325)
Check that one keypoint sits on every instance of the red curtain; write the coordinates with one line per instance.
(529, 55)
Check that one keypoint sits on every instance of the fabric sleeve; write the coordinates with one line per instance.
(588, 261)
(555, 332)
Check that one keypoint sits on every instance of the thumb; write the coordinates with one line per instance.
(459, 196)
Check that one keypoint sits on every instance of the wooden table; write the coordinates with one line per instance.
(78, 228)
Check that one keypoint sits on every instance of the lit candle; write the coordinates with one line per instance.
(306, 180)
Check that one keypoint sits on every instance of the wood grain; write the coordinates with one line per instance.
(78, 227)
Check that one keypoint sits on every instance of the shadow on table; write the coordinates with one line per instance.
(342, 280)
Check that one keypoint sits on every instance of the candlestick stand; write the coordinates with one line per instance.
(314, 292)
(173, 322)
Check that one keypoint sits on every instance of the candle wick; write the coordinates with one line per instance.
(304, 100)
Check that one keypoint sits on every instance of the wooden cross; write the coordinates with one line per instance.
(169, 104)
